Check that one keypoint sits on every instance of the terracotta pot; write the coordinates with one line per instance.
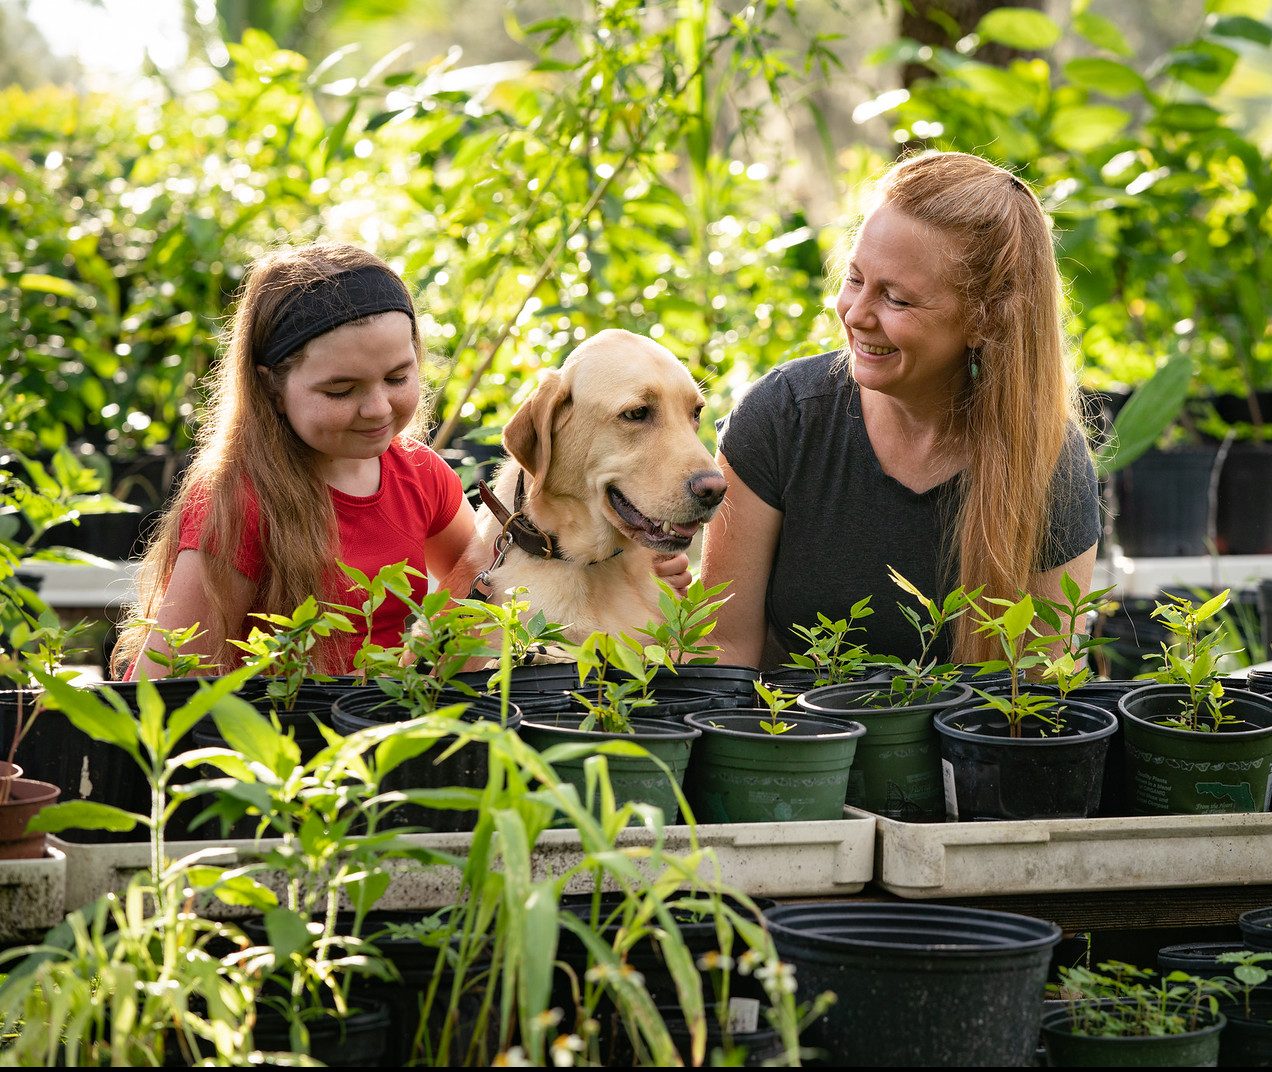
(26, 797)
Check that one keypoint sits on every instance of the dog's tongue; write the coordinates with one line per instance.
(689, 530)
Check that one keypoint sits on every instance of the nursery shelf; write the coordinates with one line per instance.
(32, 895)
(924, 860)
(762, 859)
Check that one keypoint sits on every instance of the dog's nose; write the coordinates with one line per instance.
(708, 487)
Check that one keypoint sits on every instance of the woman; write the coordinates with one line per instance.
(304, 461)
(944, 440)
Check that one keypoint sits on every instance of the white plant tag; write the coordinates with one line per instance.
(744, 1016)
(951, 794)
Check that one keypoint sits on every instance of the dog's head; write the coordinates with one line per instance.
(614, 434)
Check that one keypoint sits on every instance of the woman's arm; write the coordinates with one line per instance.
(185, 601)
(739, 547)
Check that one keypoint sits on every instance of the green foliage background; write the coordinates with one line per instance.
(625, 178)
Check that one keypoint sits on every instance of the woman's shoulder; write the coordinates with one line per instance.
(802, 380)
(415, 459)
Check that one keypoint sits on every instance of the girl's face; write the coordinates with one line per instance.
(903, 318)
(355, 388)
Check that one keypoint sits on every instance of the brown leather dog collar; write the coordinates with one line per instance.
(522, 531)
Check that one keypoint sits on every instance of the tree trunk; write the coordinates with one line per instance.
(940, 23)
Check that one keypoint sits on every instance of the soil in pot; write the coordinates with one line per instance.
(739, 773)
(1067, 1049)
(1042, 774)
(467, 767)
(897, 769)
(1174, 771)
(633, 778)
(918, 984)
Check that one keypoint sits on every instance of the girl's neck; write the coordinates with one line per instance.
(353, 476)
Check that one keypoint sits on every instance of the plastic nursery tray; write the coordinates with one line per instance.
(830, 857)
(32, 895)
(968, 859)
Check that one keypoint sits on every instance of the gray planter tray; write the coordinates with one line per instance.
(32, 895)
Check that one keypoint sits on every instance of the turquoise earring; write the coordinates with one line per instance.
(973, 368)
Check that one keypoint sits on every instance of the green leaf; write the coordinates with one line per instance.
(1018, 617)
(82, 815)
(287, 932)
(1085, 127)
(1018, 27)
(1243, 28)
(1109, 77)
(1102, 32)
(90, 715)
(1147, 413)
(49, 284)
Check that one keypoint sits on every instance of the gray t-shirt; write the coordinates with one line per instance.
(797, 440)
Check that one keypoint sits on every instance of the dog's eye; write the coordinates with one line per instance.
(640, 413)
(697, 416)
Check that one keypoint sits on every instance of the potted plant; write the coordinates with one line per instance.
(829, 657)
(1117, 1015)
(1022, 752)
(897, 768)
(21, 799)
(645, 758)
(1193, 745)
(1246, 1040)
(749, 765)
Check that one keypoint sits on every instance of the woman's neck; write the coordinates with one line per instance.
(919, 446)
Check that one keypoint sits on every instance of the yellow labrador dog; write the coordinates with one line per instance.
(605, 472)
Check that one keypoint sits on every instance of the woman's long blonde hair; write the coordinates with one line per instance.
(1023, 403)
(246, 447)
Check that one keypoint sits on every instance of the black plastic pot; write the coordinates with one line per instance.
(1163, 502)
(1246, 1040)
(734, 682)
(1067, 1049)
(467, 767)
(358, 1040)
(1198, 958)
(918, 984)
(56, 751)
(1256, 928)
(1039, 775)
(1243, 507)
(550, 678)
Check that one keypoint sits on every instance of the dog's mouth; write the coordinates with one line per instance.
(660, 535)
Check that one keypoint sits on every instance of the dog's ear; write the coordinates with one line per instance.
(528, 436)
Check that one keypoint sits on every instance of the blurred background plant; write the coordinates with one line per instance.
(685, 168)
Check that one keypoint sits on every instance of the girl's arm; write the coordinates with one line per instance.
(739, 547)
(445, 550)
(185, 601)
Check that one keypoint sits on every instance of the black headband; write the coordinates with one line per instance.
(325, 304)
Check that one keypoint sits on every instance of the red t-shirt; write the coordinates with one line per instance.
(419, 496)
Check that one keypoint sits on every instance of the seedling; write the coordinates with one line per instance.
(1249, 972)
(611, 703)
(686, 623)
(776, 701)
(1192, 659)
(830, 654)
(1174, 1005)
(172, 657)
(921, 678)
(289, 645)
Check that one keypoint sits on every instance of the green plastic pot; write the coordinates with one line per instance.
(739, 773)
(897, 769)
(1173, 771)
(634, 779)
(1065, 1049)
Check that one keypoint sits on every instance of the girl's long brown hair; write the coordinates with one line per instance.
(246, 446)
(1017, 412)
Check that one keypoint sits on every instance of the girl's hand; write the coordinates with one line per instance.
(674, 569)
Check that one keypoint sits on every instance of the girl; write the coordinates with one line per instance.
(305, 460)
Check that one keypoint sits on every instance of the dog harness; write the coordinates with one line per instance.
(517, 529)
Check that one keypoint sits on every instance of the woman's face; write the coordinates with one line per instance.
(355, 388)
(903, 318)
